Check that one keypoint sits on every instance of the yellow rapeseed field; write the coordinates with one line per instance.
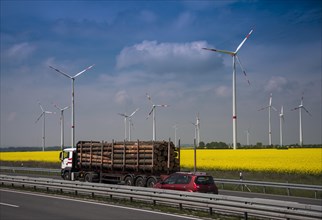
(307, 161)
(47, 156)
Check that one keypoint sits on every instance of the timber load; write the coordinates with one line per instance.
(140, 156)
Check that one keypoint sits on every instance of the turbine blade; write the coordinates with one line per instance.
(293, 109)
(241, 44)
(65, 74)
(39, 117)
(149, 98)
(241, 66)
(274, 108)
(42, 109)
(134, 112)
(151, 110)
(124, 115)
(220, 51)
(306, 111)
(67, 107)
(83, 71)
(162, 105)
(263, 108)
(48, 112)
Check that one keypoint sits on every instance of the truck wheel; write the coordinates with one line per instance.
(88, 177)
(140, 181)
(128, 181)
(66, 176)
(151, 182)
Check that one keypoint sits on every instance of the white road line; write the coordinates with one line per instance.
(103, 204)
(7, 204)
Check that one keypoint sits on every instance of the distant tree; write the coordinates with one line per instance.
(259, 145)
(202, 145)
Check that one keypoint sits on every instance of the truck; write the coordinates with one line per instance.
(135, 163)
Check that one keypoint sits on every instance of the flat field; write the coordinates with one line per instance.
(297, 161)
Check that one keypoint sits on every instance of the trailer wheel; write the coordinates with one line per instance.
(128, 181)
(140, 181)
(151, 182)
(88, 177)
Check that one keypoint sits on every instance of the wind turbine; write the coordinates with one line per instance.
(153, 109)
(300, 107)
(269, 107)
(73, 97)
(197, 129)
(128, 123)
(235, 57)
(281, 126)
(43, 114)
(61, 125)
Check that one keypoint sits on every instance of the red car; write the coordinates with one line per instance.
(191, 182)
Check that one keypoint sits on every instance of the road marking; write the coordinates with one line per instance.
(7, 204)
(103, 204)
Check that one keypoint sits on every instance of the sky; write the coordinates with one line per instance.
(155, 47)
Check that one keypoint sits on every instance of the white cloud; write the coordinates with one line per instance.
(20, 51)
(169, 57)
(276, 83)
(223, 91)
(122, 98)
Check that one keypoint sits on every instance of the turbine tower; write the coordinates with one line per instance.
(73, 98)
(281, 126)
(43, 114)
(300, 107)
(235, 57)
(61, 124)
(127, 124)
(175, 134)
(269, 107)
(153, 109)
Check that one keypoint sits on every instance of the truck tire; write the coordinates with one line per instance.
(151, 181)
(66, 175)
(128, 180)
(140, 181)
(88, 177)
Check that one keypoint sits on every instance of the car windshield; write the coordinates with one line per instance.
(204, 180)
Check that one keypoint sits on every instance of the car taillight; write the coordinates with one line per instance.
(195, 187)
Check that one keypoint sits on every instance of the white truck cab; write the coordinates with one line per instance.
(66, 157)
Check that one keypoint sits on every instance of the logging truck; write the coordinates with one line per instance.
(135, 163)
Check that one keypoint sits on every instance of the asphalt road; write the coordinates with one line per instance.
(15, 205)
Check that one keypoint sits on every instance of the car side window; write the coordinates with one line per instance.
(204, 180)
(183, 179)
(171, 179)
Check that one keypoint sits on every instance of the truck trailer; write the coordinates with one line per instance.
(135, 163)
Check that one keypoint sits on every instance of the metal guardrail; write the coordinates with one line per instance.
(242, 183)
(246, 207)
(265, 185)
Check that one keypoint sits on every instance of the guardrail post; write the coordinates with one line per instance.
(210, 210)
(180, 206)
(288, 191)
(264, 190)
(245, 215)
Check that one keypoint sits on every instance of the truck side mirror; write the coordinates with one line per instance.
(61, 155)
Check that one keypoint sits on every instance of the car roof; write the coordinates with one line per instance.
(193, 173)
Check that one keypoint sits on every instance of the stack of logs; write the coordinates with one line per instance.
(148, 156)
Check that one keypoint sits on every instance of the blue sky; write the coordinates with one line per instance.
(154, 47)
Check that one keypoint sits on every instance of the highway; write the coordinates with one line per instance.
(17, 205)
